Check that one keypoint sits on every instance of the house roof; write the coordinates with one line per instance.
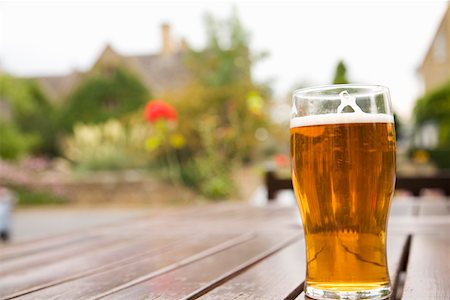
(158, 72)
(57, 87)
(445, 18)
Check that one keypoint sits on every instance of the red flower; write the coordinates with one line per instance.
(158, 109)
(281, 160)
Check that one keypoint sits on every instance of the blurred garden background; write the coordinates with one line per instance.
(192, 118)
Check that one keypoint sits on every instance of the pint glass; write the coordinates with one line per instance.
(343, 172)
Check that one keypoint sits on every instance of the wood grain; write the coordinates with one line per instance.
(184, 281)
(434, 207)
(35, 265)
(274, 278)
(428, 271)
(106, 279)
(224, 251)
(419, 225)
(24, 280)
(406, 206)
(127, 228)
(56, 254)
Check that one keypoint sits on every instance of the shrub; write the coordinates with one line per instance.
(208, 176)
(27, 197)
(15, 144)
(111, 145)
(435, 106)
(27, 119)
(441, 157)
(102, 97)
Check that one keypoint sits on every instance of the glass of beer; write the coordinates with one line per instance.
(343, 173)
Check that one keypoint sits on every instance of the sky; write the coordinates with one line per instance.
(381, 42)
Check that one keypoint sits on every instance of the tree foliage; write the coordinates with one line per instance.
(14, 143)
(435, 106)
(28, 119)
(223, 94)
(104, 96)
(221, 108)
(340, 75)
(226, 59)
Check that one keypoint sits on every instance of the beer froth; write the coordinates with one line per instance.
(341, 118)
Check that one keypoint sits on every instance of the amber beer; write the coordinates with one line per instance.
(343, 169)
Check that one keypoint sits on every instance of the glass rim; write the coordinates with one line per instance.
(373, 88)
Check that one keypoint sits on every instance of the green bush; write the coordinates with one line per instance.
(41, 122)
(435, 106)
(27, 197)
(441, 157)
(15, 144)
(102, 97)
(217, 187)
(28, 124)
(208, 177)
(112, 145)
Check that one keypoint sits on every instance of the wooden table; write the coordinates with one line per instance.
(223, 251)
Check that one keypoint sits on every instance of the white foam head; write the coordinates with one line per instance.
(342, 118)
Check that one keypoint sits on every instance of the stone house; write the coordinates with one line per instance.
(434, 71)
(159, 72)
(435, 67)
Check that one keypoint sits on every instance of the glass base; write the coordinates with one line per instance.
(373, 294)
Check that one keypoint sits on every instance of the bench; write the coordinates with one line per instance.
(413, 184)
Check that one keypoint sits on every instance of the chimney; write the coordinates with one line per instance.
(166, 48)
(183, 45)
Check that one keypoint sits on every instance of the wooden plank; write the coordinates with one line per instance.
(434, 207)
(129, 227)
(58, 254)
(135, 230)
(14, 251)
(427, 274)
(188, 279)
(26, 280)
(403, 206)
(91, 283)
(21, 281)
(419, 225)
(57, 260)
(213, 211)
(419, 216)
(396, 249)
(274, 278)
(247, 214)
(60, 241)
